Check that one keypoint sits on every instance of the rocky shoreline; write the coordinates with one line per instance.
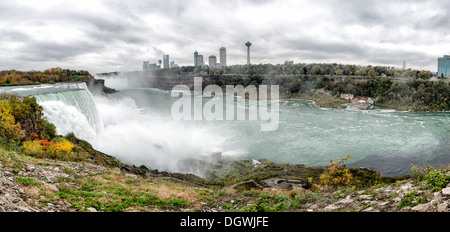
(50, 176)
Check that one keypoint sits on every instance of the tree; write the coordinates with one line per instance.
(9, 128)
(319, 83)
(361, 72)
(294, 87)
(305, 70)
(372, 73)
(424, 75)
(316, 70)
(338, 72)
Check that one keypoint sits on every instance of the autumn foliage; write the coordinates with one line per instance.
(61, 149)
(22, 124)
(338, 175)
(9, 128)
(53, 75)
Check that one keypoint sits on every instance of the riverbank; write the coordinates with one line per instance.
(407, 94)
(29, 184)
(404, 94)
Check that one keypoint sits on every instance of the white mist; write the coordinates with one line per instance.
(138, 136)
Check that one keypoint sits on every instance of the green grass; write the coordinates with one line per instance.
(279, 201)
(27, 181)
(411, 199)
(114, 196)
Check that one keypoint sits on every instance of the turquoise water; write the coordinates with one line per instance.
(386, 140)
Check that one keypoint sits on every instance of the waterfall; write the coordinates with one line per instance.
(71, 111)
(69, 106)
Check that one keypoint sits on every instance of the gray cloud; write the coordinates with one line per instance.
(53, 51)
(117, 35)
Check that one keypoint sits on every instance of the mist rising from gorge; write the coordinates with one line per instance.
(138, 136)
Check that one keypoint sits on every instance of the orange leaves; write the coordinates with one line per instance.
(34, 136)
(49, 149)
(46, 144)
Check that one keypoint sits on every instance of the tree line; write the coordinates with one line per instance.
(50, 76)
(300, 69)
(412, 94)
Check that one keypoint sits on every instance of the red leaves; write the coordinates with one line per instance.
(34, 136)
(45, 144)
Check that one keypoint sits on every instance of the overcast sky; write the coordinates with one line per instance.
(105, 36)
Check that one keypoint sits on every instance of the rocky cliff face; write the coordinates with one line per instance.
(97, 86)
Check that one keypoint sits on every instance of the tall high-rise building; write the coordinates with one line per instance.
(145, 66)
(200, 61)
(444, 66)
(196, 59)
(223, 57)
(212, 61)
(404, 65)
(166, 61)
(152, 67)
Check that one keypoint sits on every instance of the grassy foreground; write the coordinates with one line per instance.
(69, 186)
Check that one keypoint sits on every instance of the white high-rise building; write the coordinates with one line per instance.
(166, 61)
(145, 66)
(200, 61)
(212, 61)
(223, 57)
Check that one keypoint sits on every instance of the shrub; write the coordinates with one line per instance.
(61, 149)
(434, 179)
(33, 148)
(338, 174)
(64, 147)
(307, 196)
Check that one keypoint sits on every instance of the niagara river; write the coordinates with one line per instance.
(135, 126)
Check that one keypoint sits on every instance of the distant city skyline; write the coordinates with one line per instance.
(104, 36)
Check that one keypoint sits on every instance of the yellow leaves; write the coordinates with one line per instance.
(50, 149)
(338, 175)
(32, 148)
(8, 125)
(64, 147)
